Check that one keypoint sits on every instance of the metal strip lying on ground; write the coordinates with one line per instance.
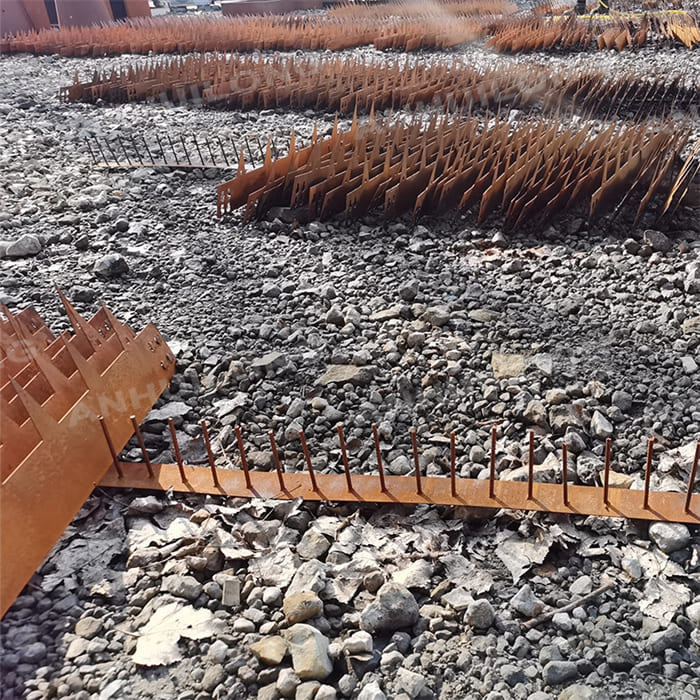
(67, 407)
(530, 171)
(450, 490)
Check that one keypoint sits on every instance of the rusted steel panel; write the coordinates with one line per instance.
(23, 16)
(69, 392)
(83, 13)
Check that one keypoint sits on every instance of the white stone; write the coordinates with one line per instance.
(371, 691)
(359, 643)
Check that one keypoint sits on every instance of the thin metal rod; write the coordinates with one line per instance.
(565, 473)
(307, 457)
(184, 147)
(176, 449)
(148, 150)
(223, 152)
(162, 152)
(691, 481)
(208, 145)
(172, 148)
(210, 454)
(128, 160)
(250, 153)
(606, 474)
(99, 146)
(416, 461)
(276, 458)
(492, 463)
(531, 466)
(378, 451)
(92, 155)
(196, 145)
(453, 462)
(110, 444)
(241, 451)
(142, 445)
(647, 472)
(346, 465)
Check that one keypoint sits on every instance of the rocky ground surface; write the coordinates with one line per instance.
(579, 332)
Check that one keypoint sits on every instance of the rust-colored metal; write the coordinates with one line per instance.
(577, 33)
(530, 171)
(67, 403)
(400, 26)
(491, 493)
(23, 16)
(79, 13)
(347, 84)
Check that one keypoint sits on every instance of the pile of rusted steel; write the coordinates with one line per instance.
(394, 26)
(274, 32)
(348, 84)
(572, 33)
(529, 171)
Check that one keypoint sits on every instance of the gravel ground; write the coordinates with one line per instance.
(600, 328)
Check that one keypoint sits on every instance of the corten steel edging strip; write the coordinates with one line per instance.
(45, 491)
(474, 493)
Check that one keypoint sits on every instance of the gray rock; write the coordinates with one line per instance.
(313, 545)
(535, 413)
(622, 400)
(24, 246)
(409, 290)
(672, 637)
(512, 674)
(437, 315)
(525, 602)
(658, 241)
(669, 537)
(588, 467)
(347, 374)
(601, 427)
(309, 650)
(558, 672)
(326, 692)
(359, 643)
(307, 690)
(287, 682)
(335, 316)
(371, 691)
(88, 627)
(689, 365)
(562, 621)
(111, 265)
(692, 612)
(579, 691)
(310, 576)
(581, 586)
(33, 653)
(619, 655)
(394, 608)
(213, 676)
(182, 586)
(271, 360)
(692, 279)
(480, 614)
(410, 682)
(564, 416)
